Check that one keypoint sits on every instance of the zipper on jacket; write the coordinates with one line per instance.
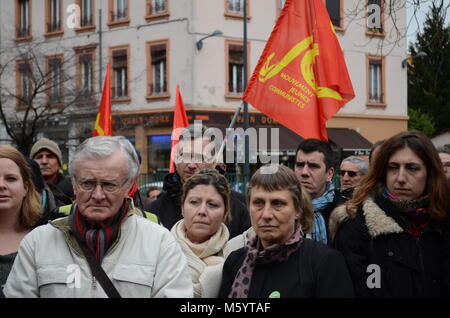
(422, 267)
(94, 283)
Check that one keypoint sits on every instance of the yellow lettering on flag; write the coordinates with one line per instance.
(306, 67)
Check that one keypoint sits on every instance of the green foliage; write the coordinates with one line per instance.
(429, 77)
(421, 121)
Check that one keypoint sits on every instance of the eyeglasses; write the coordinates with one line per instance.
(107, 187)
(350, 173)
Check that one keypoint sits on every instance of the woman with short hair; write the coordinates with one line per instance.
(202, 234)
(279, 262)
(390, 233)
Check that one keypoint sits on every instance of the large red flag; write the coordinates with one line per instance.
(301, 79)
(103, 123)
(179, 121)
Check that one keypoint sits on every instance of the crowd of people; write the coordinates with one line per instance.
(384, 232)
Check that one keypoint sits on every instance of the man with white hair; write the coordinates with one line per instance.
(103, 248)
(352, 170)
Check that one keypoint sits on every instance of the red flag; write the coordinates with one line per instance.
(103, 123)
(179, 121)
(301, 79)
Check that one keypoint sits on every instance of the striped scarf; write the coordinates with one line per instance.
(97, 239)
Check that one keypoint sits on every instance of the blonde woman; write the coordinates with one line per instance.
(19, 206)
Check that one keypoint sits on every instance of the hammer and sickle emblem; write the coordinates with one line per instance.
(306, 67)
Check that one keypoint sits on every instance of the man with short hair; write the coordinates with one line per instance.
(192, 156)
(444, 154)
(46, 152)
(314, 169)
(139, 257)
(153, 193)
(352, 170)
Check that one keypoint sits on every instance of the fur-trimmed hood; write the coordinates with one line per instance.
(378, 223)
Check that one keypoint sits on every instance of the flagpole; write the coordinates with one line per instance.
(233, 121)
(246, 123)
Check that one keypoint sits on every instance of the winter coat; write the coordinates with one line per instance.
(313, 271)
(168, 206)
(144, 261)
(383, 260)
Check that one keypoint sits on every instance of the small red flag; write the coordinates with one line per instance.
(301, 79)
(103, 123)
(179, 121)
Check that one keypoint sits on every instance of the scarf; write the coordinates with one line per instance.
(319, 231)
(97, 239)
(415, 212)
(256, 254)
(202, 255)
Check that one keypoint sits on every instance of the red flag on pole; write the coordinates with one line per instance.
(301, 79)
(179, 121)
(103, 123)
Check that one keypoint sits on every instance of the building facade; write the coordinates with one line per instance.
(154, 45)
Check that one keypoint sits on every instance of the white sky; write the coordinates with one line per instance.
(414, 27)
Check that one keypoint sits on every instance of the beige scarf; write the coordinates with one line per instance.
(203, 256)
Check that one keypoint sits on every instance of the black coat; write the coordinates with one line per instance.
(407, 266)
(313, 271)
(168, 206)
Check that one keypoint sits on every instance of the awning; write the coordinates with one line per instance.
(347, 140)
(350, 141)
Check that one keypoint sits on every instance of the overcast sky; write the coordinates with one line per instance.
(414, 27)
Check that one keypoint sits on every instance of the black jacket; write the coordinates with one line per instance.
(168, 206)
(378, 251)
(313, 271)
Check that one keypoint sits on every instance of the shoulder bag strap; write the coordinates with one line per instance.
(99, 273)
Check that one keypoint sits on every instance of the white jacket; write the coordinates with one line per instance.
(145, 261)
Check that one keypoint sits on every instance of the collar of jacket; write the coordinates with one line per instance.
(62, 224)
(378, 223)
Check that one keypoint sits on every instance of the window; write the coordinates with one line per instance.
(375, 91)
(23, 82)
(118, 12)
(158, 69)
(23, 17)
(85, 70)
(55, 79)
(53, 16)
(87, 19)
(157, 8)
(375, 16)
(235, 8)
(335, 12)
(235, 68)
(159, 152)
(120, 73)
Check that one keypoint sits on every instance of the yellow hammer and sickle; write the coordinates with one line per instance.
(306, 67)
(99, 129)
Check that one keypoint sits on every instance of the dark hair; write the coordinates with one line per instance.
(36, 175)
(150, 189)
(285, 179)
(214, 178)
(375, 146)
(443, 149)
(311, 145)
(420, 144)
